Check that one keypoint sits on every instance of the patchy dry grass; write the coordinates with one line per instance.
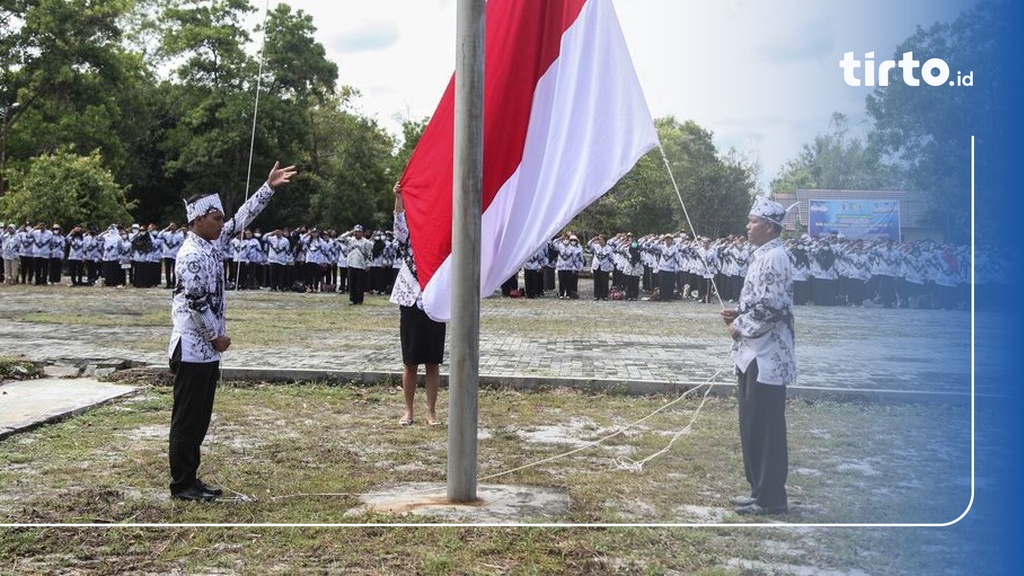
(865, 463)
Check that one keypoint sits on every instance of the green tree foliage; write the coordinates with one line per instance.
(716, 189)
(162, 92)
(213, 102)
(836, 160)
(926, 131)
(358, 173)
(296, 64)
(65, 63)
(66, 188)
(412, 131)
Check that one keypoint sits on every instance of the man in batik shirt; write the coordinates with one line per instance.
(200, 332)
(762, 350)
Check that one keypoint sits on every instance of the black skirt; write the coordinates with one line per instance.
(422, 338)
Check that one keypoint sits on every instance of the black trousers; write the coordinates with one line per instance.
(568, 284)
(194, 388)
(56, 270)
(666, 285)
(801, 292)
(600, 285)
(111, 273)
(632, 287)
(534, 282)
(762, 411)
(509, 285)
(357, 281)
(342, 279)
(169, 278)
(377, 279)
(42, 269)
(278, 277)
(887, 290)
(704, 286)
(77, 272)
(93, 267)
(549, 278)
(823, 292)
(26, 269)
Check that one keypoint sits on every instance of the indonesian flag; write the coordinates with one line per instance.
(564, 120)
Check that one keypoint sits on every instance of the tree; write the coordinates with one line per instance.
(207, 146)
(715, 188)
(836, 160)
(65, 63)
(296, 64)
(926, 131)
(358, 172)
(66, 188)
(412, 131)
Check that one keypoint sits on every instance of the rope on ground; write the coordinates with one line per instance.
(708, 383)
(638, 466)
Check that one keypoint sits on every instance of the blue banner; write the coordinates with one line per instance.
(855, 219)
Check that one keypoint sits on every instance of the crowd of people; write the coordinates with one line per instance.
(828, 271)
(281, 260)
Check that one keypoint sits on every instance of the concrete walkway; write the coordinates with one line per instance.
(632, 346)
(546, 340)
(30, 403)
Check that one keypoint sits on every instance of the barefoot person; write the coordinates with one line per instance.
(762, 350)
(200, 334)
(422, 338)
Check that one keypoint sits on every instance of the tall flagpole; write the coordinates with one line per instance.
(467, 198)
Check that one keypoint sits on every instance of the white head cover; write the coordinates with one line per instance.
(768, 210)
(203, 206)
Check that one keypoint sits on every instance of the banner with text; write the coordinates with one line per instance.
(855, 219)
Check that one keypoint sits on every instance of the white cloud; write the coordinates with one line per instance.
(370, 36)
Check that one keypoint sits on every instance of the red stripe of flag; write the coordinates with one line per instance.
(522, 40)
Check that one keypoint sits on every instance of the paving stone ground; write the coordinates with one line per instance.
(838, 348)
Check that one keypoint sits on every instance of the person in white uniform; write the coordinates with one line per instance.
(200, 334)
(763, 353)
(422, 337)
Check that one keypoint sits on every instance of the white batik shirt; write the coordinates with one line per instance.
(197, 307)
(172, 243)
(11, 244)
(764, 326)
(358, 252)
(406, 291)
(278, 248)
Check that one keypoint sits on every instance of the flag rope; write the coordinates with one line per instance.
(632, 466)
(686, 213)
(256, 105)
(238, 265)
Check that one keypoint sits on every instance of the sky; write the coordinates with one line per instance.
(763, 76)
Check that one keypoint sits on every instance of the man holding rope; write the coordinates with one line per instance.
(200, 333)
(763, 352)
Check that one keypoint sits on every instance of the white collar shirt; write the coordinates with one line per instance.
(764, 326)
(197, 307)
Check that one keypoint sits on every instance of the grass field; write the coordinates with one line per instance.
(294, 450)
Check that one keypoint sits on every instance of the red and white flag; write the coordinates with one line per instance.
(564, 120)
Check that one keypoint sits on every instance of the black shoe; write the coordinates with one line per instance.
(742, 500)
(193, 494)
(215, 490)
(758, 510)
